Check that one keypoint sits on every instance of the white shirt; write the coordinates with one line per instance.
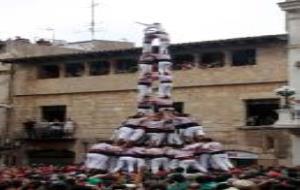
(135, 151)
(154, 124)
(100, 146)
(213, 146)
(193, 147)
(134, 121)
(69, 125)
(184, 154)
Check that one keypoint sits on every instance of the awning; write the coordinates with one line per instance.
(237, 154)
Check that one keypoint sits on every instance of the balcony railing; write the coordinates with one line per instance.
(49, 131)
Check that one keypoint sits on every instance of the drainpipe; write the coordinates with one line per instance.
(10, 101)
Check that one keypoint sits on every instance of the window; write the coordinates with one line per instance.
(244, 57)
(54, 113)
(182, 62)
(74, 69)
(179, 107)
(99, 68)
(262, 112)
(2, 47)
(212, 59)
(48, 71)
(269, 143)
(126, 66)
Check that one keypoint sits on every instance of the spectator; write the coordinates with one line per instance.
(29, 126)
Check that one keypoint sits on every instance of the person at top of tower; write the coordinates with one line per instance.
(154, 28)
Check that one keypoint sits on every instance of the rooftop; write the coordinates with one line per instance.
(279, 38)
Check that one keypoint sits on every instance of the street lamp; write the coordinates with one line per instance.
(286, 92)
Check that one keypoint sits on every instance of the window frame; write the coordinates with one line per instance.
(221, 58)
(43, 111)
(252, 118)
(41, 75)
(106, 69)
(72, 75)
(128, 69)
(247, 52)
(179, 61)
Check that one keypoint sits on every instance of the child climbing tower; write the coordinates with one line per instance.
(155, 66)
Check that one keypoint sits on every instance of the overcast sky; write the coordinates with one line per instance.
(186, 21)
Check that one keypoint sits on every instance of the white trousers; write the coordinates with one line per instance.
(204, 160)
(164, 67)
(112, 163)
(156, 139)
(157, 163)
(221, 161)
(137, 134)
(144, 90)
(192, 132)
(141, 164)
(127, 163)
(124, 133)
(144, 69)
(185, 164)
(96, 161)
(174, 138)
(173, 164)
(164, 89)
(130, 134)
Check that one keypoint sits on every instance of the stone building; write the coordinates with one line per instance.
(20, 47)
(227, 84)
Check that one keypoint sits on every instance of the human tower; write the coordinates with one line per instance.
(157, 137)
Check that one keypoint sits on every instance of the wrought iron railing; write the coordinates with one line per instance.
(49, 130)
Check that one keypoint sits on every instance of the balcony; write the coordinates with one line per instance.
(49, 131)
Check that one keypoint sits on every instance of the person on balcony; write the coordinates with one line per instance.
(29, 126)
(56, 129)
(69, 127)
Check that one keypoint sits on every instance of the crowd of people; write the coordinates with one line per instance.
(77, 177)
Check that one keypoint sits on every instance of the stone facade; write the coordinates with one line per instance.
(216, 96)
(23, 48)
